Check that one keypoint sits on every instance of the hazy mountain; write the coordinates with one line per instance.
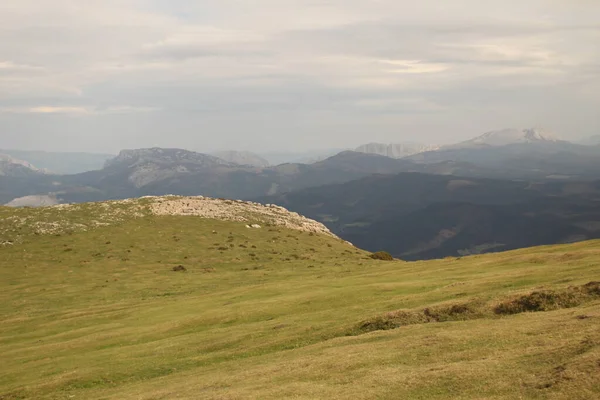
(521, 154)
(306, 157)
(416, 216)
(173, 171)
(242, 158)
(398, 150)
(143, 167)
(591, 141)
(12, 167)
(61, 163)
(506, 137)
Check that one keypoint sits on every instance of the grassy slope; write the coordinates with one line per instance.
(100, 314)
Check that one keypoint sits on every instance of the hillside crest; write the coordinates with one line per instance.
(65, 218)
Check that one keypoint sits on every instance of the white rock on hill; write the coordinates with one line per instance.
(236, 210)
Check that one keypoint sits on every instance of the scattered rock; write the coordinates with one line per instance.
(179, 268)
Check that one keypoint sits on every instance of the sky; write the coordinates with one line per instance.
(292, 75)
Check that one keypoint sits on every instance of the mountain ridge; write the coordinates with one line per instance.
(245, 158)
(396, 150)
(508, 136)
(12, 167)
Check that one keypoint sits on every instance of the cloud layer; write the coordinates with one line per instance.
(274, 74)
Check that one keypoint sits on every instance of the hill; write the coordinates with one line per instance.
(118, 300)
(418, 216)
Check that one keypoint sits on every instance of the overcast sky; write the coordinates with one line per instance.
(292, 74)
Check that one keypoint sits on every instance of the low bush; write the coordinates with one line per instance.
(382, 255)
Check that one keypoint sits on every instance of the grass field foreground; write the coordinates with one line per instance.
(94, 306)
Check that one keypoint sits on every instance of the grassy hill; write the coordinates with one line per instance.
(95, 304)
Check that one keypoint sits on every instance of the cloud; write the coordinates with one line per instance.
(249, 68)
(11, 67)
(76, 110)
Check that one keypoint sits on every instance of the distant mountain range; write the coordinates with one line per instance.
(591, 141)
(13, 167)
(502, 190)
(174, 171)
(302, 157)
(506, 137)
(521, 154)
(242, 158)
(159, 171)
(61, 162)
(397, 150)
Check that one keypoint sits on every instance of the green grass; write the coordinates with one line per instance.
(272, 313)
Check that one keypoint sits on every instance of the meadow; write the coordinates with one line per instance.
(177, 307)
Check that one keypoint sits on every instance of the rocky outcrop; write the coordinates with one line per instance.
(34, 201)
(250, 213)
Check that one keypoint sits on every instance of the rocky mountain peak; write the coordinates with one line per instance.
(159, 155)
(146, 166)
(506, 137)
(10, 166)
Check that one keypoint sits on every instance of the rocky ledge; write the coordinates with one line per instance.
(250, 213)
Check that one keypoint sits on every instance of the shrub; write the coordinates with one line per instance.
(382, 255)
(539, 301)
